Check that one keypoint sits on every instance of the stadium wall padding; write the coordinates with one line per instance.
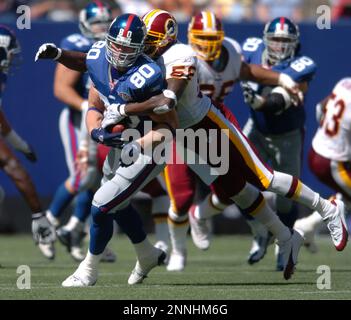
(33, 111)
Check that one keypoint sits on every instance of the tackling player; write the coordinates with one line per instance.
(43, 232)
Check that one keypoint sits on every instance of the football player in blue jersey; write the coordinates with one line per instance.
(120, 72)
(276, 128)
(43, 232)
(71, 88)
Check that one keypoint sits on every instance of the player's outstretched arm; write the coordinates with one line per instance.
(255, 73)
(12, 138)
(71, 59)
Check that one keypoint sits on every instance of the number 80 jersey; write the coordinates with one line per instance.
(333, 137)
(299, 68)
(140, 82)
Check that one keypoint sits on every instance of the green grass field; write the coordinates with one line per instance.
(219, 273)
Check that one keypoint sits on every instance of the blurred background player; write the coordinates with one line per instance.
(330, 154)
(276, 129)
(43, 233)
(71, 88)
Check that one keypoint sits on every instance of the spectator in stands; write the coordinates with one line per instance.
(341, 9)
(233, 10)
(269, 9)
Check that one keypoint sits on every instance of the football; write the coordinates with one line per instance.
(116, 128)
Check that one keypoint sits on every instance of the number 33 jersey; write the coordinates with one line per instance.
(299, 68)
(333, 137)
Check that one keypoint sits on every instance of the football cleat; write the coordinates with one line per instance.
(289, 250)
(279, 264)
(177, 261)
(47, 249)
(262, 239)
(144, 266)
(164, 247)
(200, 230)
(82, 277)
(337, 225)
(108, 256)
(72, 240)
(259, 248)
(308, 233)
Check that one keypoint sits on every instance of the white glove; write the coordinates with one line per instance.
(48, 51)
(251, 98)
(291, 86)
(43, 231)
(113, 114)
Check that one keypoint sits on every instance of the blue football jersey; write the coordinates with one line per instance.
(140, 82)
(3, 78)
(300, 68)
(77, 42)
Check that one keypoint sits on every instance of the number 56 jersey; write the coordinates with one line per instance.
(333, 137)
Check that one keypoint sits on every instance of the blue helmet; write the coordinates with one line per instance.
(94, 20)
(281, 38)
(125, 40)
(9, 48)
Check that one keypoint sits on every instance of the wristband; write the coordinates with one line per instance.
(59, 53)
(122, 110)
(84, 105)
(170, 95)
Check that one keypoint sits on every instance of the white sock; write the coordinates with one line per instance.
(161, 231)
(159, 211)
(74, 224)
(253, 202)
(52, 219)
(143, 249)
(91, 262)
(178, 228)
(209, 207)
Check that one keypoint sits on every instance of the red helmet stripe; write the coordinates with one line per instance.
(99, 4)
(282, 22)
(129, 22)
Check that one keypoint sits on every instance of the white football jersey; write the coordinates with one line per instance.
(215, 84)
(333, 137)
(180, 62)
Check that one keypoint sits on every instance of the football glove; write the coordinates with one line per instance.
(291, 87)
(30, 154)
(100, 135)
(48, 51)
(255, 101)
(43, 231)
(113, 114)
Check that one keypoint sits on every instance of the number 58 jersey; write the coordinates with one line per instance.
(333, 137)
